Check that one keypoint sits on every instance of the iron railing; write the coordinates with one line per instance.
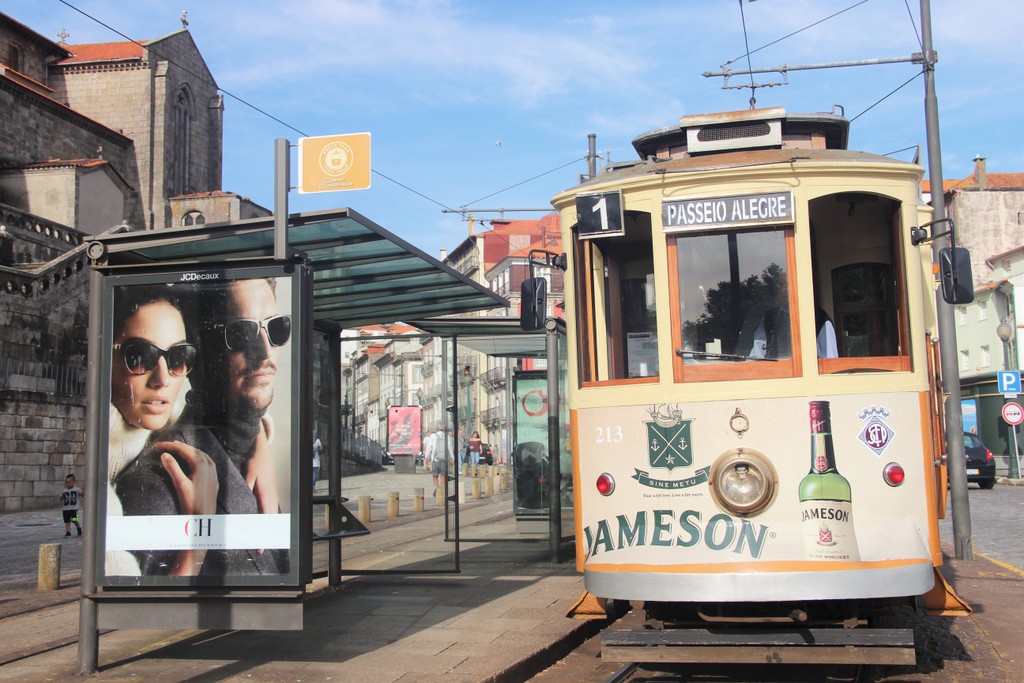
(51, 377)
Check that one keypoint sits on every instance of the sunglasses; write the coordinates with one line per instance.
(242, 333)
(141, 356)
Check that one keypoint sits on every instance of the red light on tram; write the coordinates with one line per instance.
(605, 484)
(893, 474)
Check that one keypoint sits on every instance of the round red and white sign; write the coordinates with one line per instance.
(1013, 413)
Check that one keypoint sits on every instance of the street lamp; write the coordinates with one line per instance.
(1005, 332)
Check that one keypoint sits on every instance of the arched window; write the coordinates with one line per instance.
(193, 218)
(181, 181)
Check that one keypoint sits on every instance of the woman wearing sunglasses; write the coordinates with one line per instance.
(150, 361)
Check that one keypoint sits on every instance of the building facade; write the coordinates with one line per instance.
(988, 212)
(96, 137)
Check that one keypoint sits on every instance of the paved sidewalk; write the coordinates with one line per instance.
(501, 619)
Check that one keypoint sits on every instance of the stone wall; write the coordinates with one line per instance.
(41, 441)
(37, 129)
(989, 221)
(43, 348)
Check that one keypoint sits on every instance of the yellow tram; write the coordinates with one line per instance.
(755, 425)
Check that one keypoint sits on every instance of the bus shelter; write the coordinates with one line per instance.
(539, 454)
(225, 289)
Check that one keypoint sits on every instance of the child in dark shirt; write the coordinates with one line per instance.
(71, 498)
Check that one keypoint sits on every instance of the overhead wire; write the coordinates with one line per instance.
(749, 52)
(805, 28)
(270, 116)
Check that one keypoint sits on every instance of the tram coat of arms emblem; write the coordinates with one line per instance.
(876, 435)
(668, 438)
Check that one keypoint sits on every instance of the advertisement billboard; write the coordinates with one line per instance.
(404, 430)
(201, 468)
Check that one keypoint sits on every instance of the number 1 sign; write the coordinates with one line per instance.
(599, 215)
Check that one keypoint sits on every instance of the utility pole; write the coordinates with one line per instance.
(944, 312)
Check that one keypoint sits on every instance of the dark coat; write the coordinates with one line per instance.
(145, 488)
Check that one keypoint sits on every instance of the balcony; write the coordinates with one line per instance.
(494, 379)
(494, 418)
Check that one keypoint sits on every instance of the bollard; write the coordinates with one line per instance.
(461, 492)
(439, 495)
(476, 489)
(489, 486)
(49, 567)
(364, 510)
(465, 469)
(417, 500)
(392, 504)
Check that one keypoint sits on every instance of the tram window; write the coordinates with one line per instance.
(617, 322)
(736, 315)
(855, 244)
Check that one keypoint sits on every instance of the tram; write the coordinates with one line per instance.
(753, 396)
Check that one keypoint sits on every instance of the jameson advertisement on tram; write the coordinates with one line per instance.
(201, 461)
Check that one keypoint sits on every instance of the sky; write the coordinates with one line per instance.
(487, 104)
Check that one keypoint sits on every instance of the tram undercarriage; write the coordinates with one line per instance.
(809, 632)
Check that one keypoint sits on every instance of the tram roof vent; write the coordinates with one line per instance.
(733, 130)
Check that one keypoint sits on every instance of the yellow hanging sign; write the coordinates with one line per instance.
(332, 163)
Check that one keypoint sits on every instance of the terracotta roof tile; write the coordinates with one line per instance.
(103, 52)
(64, 163)
(993, 181)
(211, 193)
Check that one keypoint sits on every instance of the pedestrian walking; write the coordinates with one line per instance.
(475, 447)
(318, 447)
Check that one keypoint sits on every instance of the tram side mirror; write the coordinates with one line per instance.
(533, 303)
(955, 275)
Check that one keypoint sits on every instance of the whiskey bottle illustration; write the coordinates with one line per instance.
(825, 497)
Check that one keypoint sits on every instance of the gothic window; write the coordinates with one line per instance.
(181, 181)
(193, 218)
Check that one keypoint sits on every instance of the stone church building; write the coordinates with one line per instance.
(95, 137)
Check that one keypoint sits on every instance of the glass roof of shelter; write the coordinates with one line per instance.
(362, 274)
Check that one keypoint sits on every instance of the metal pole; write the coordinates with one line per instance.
(944, 312)
(1015, 456)
(334, 455)
(88, 632)
(282, 180)
(592, 155)
(554, 445)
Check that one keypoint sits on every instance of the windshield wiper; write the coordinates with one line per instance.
(720, 356)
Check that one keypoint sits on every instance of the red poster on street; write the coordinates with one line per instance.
(404, 430)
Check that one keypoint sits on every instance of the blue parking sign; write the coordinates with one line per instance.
(1009, 381)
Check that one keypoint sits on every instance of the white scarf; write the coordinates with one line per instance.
(125, 444)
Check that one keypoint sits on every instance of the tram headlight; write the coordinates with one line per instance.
(605, 484)
(743, 482)
(893, 474)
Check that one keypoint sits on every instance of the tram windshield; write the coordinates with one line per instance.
(735, 306)
(733, 297)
